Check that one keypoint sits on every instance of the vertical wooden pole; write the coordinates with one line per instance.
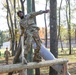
(65, 69)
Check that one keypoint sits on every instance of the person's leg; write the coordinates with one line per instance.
(45, 53)
(6, 60)
(28, 42)
(36, 38)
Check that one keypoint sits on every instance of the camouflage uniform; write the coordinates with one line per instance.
(30, 31)
(6, 55)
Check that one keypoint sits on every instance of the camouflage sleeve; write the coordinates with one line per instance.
(22, 27)
(22, 24)
(33, 14)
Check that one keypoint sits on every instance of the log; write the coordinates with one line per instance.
(16, 58)
(31, 65)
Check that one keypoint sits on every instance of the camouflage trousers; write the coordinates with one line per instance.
(6, 60)
(30, 37)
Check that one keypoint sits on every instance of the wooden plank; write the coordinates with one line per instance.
(65, 68)
(31, 65)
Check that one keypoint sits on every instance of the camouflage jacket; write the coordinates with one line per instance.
(27, 23)
(6, 54)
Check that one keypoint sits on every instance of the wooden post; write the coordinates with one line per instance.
(65, 68)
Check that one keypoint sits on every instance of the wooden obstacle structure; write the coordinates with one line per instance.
(33, 65)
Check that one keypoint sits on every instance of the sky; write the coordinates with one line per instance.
(40, 18)
(3, 21)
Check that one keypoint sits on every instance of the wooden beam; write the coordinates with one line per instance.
(31, 65)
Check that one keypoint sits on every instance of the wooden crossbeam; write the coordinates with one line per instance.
(31, 65)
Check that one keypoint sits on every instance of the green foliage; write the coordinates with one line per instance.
(1, 38)
(64, 33)
(4, 36)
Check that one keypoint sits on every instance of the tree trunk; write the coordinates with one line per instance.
(59, 34)
(15, 26)
(22, 6)
(30, 55)
(45, 26)
(37, 70)
(53, 32)
(61, 44)
(69, 27)
(68, 23)
(12, 29)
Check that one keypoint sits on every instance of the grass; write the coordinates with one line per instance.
(71, 58)
(63, 54)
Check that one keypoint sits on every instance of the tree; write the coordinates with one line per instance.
(53, 32)
(37, 70)
(11, 28)
(45, 25)
(68, 23)
(12, 7)
(59, 33)
(22, 5)
(1, 38)
(29, 9)
(15, 24)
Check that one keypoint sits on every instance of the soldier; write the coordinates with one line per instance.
(6, 55)
(30, 31)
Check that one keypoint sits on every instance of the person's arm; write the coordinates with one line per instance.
(22, 31)
(21, 28)
(33, 14)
